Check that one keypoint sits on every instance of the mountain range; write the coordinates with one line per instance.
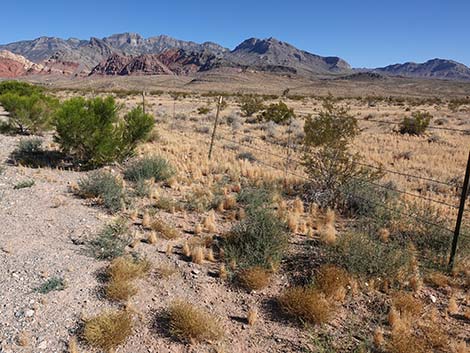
(132, 54)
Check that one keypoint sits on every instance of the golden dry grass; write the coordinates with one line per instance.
(306, 304)
(108, 330)
(189, 323)
(120, 290)
(254, 278)
(164, 229)
(406, 304)
(332, 281)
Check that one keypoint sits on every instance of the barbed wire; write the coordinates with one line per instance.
(358, 179)
(385, 170)
(464, 131)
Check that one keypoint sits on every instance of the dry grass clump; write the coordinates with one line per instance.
(165, 230)
(402, 340)
(121, 271)
(379, 337)
(406, 304)
(436, 336)
(191, 324)
(252, 316)
(73, 345)
(197, 255)
(254, 278)
(108, 330)
(452, 307)
(126, 268)
(306, 304)
(332, 281)
(437, 279)
(165, 271)
(120, 290)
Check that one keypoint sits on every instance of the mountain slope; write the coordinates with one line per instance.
(435, 68)
(13, 65)
(272, 53)
(170, 62)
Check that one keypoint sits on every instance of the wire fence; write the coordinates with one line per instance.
(286, 158)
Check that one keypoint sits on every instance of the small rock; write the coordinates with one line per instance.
(42, 345)
(433, 298)
(29, 313)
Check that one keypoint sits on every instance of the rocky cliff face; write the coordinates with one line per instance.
(13, 65)
(170, 62)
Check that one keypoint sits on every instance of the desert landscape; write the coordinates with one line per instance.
(162, 195)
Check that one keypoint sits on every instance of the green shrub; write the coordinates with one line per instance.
(147, 168)
(20, 88)
(24, 184)
(28, 113)
(278, 113)
(203, 110)
(259, 240)
(364, 256)
(52, 284)
(250, 105)
(327, 158)
(31, 153)
(110, 243)
(105, 186)
(93, 133)
(416, 124)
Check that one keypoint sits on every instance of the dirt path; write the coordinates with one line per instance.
(37, 226)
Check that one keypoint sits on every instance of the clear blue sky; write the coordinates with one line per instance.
(367, 33)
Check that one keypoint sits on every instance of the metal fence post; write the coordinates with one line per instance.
(143, 101)
(463, 198)
(215, 126)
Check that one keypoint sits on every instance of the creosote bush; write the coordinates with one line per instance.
(93, 132)
(149, 167)
(108, 330)
(188, 323)
(278, 113)
(327, 158)
(30, 109)
(306, 304)
(416, 124)
(250, 105)
(105, 186)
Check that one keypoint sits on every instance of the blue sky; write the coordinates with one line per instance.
(364, 32)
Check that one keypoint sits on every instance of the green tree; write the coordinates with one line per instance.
(93, 132)
(30, 110)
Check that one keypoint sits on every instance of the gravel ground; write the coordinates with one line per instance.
(37, 226)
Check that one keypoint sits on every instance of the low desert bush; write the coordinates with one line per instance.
(110, 242)
(93, 132)
(108, 330)
(416, 124)
(254, 278)
(364, 256)
(104, 186)
(52, 284)
(24, 184)
(402, 340)
(191, 324)
(278, 113)
(250, 105)
(149, 167)
(258, 240)
(30, 153)
(306, 304)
